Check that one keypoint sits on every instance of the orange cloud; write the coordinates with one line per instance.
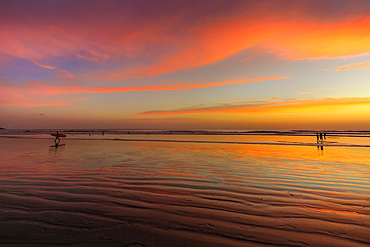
(310, 40)
(308, 105)
(24, 95)
(29, 94)
(164, 40)
(291, 37)
(43, 65)
(42, 88)
(364, 65)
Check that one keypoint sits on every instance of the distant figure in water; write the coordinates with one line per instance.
(325, 136)
(102, 133)
(321, 136)
(317, 137)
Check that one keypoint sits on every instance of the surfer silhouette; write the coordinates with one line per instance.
(57, 140)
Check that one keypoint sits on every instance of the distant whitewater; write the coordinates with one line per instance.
(263, 137)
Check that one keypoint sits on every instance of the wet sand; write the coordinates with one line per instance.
(138, 193)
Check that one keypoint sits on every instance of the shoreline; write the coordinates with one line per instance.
(280, 143)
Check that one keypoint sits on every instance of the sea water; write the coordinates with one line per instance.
(165, 188)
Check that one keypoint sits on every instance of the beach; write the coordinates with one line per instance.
(184, 190)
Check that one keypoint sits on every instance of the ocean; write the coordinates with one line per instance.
(184, 188)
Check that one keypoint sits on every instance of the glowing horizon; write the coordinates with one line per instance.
(181, 64)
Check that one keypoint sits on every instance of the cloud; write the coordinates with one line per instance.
(266, 106)
(137, 39)
(25, 95)
(66, 75)
(44, 88)
(44, 65)
(31, 93)
(364, 65)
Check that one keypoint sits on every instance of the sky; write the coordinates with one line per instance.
(205, 64)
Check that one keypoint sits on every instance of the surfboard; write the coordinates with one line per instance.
(60, 135)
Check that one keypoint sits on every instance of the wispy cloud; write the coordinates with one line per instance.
(179, 38)
(266, 106)
(63, 74)
(30, 94)
(66, 75)
(44, 65)
(364, 65)
(45, 88)
(25, 96)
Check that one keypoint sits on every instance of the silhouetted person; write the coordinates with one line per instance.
(317, 137)
(325, 136)
(57, 140)
(321, 136)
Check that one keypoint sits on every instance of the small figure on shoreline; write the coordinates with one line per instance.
(57, 139)
(320, 137)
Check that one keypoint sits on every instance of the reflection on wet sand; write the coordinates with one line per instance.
(108, 193)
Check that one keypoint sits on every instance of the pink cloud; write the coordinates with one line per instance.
(24, 95)
(44, 65)
(162, 40)
(66, 75)
(31, 93)
(44, 88)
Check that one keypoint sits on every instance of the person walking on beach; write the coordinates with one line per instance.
(317, 137)
(57, 139)
(321, 137)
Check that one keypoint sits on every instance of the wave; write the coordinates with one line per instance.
(181, 139)
(349, 133)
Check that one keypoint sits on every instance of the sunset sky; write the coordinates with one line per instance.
(185, 64)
